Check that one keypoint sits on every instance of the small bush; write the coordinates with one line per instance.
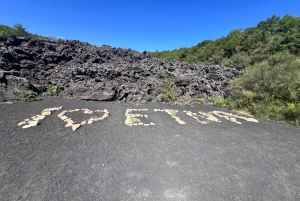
(200, 100)
(292, 113)
(55, 91)
(270, 88)
(158, 98)
(30, 96)
(169, 91)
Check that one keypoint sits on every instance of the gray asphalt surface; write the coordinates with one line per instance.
(109, 160)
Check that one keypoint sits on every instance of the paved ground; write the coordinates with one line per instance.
(109, 160)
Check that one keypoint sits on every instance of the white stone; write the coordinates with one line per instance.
(21, 123)
(64, 117)
(46, 113)
(181, 122)
(252, 120)
(40, 117)
(70, 121)
(62, 113)
(26, 126)
(75, 127)
(69, 125)
(33, 123)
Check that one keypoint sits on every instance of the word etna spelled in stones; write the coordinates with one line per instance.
(132, 117)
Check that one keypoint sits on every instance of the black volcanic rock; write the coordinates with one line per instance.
(100, 73)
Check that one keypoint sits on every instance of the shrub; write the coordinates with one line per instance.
(169, 91)
(200, 100)
(55, 91)
(158, 98)
(292, 113)
(30, 96)
(270, 88)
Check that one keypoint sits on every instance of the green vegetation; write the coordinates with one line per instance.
(55, 91)
(17, 30)
(271, 54)
(270, 88)
(245, 47)
(200, 100)
(30, 96)
(135, 120)
(169, 91)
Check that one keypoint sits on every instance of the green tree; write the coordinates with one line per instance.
(20, 30)
(217, 56)
(269, 37)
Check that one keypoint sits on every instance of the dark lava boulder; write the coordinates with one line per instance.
(101, 73)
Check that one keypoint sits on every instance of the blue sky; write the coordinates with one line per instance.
(141, 24)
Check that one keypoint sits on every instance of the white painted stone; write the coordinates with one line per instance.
(69, 121)
(33, 123)
(63, 117)
(26, 126)
(21, 123)
(75, 127)
(62, 113)
(252, 120)
(181, 122)
(40, 117)
(69, 125)
(46, 113)
(232, 119)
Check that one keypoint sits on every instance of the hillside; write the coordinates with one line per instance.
(262, 74)
(270, 53)
(80, 70)
(243, 47)
(17, 30)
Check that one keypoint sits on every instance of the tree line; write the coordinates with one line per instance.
(16, 30)
(243, 47)
(270, 87)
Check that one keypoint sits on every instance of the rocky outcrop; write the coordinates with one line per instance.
(101, 73)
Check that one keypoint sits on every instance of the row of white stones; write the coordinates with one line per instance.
(228, 116)
(128, 116)
(27, 123)
(70, 122)
(233, 117)
(203, 115)
(172, 113)
(207, 116)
